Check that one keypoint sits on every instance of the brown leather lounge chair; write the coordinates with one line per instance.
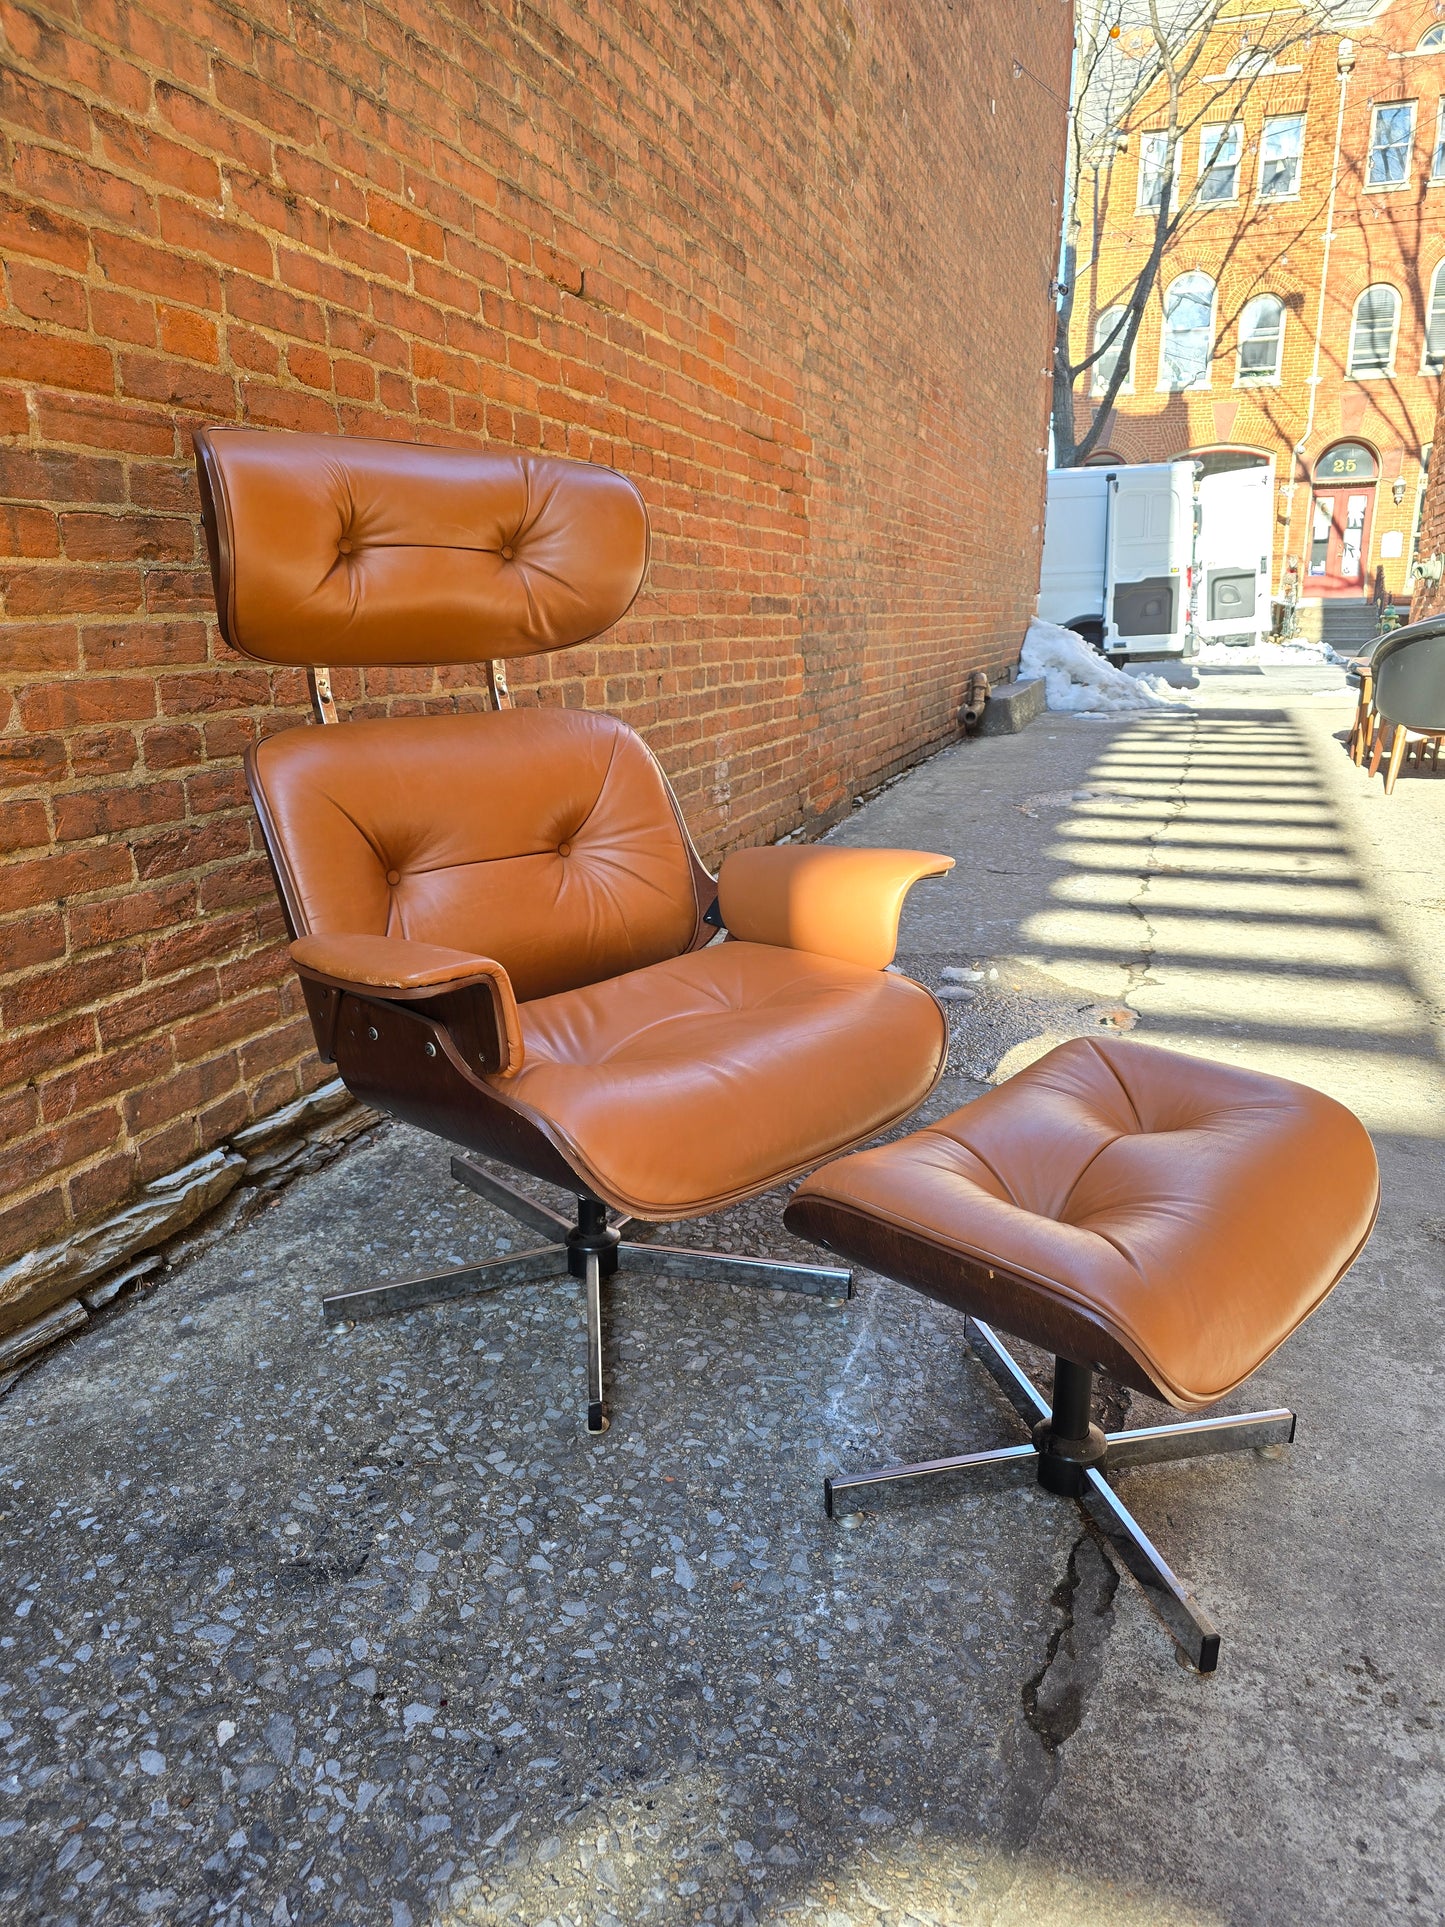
(503, 931)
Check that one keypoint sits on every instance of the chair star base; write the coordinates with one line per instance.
(1069, 1456)
(591, 1250)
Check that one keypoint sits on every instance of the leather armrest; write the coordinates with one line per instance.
(471, 995)
(834, 902)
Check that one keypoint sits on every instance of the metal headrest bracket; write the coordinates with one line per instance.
(322, 700)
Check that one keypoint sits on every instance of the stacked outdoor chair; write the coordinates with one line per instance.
(1402, 701)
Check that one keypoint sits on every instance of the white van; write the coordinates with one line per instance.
(1118, 562)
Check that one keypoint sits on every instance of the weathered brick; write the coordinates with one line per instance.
(144, 265)
(183, 1092)
(24, 824)
(104, 423)
(57, 300)
(28, 942)
(49, 878)
(55, 1149)
(27, 228)
(29, 355)
(156, 1007)
(50, 993)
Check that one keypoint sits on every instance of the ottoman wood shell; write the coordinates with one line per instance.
(1162, 1218)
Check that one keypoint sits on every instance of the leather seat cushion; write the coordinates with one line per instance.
(1169, 1219)
(683, 1086)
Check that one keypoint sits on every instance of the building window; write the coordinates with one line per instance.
(1219, 151)
(1279, 157)
(1261, 339)
(1153, 159)
(1188, 340)
(1392, 135)
(1435, 323)
(1431, 40)
(1345, 464)
(1372, 332)
(1108, 346)
(1437, 159)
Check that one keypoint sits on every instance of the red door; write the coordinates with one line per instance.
(1339, 540)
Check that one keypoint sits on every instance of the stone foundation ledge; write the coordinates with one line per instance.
(50, 1292)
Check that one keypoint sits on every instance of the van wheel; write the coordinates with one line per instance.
(1090, 631)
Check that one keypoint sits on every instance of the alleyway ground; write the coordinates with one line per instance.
(305, 1627)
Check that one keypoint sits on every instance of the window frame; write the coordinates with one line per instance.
(1223, 129)
(1270, 120)
(1432, 41)
(1205, 378)
(1126, 386)
(1161, 134)
(1436, 176)
(1436, 298)
(1374, 374)
(1250, 378)
(1389, 107)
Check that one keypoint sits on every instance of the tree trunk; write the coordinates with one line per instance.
(1063, 394)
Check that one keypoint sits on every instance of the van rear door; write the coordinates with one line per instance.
(1152, 545)
(1236, 535)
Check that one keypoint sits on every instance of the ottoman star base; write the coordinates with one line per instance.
(1164, 1219)
(1075, 1468)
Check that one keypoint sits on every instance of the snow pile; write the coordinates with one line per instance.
(1077, 677)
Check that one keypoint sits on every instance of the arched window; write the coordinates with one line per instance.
(1347, 462)
(1261, 339)
(1110, 320)
(1431, 40)
(1435, 323)
(1372, 332)
(1188, 340)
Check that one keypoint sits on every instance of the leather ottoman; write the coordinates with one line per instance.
(1164, 1219)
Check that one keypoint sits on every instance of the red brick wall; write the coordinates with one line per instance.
(785, 264)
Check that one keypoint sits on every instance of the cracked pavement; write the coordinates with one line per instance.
(306, 1626)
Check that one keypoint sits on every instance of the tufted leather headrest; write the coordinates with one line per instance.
(328, 551)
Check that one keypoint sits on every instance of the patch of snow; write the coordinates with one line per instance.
(1282, 654)
(1165, 690)
(1077, 677)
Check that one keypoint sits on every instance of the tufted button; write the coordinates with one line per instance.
(393, 877)
(343, 547)
(564, 849)
(507, 552)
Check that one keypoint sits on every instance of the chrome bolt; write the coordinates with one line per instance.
(372, 1032)
(428, 1050)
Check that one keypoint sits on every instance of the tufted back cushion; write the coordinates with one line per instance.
(547, 839)
(329, 551)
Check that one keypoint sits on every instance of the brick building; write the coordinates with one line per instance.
(1305, 293)
(787, 266)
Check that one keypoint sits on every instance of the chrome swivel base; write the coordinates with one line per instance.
(591, 1250)
(1068, 1455)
